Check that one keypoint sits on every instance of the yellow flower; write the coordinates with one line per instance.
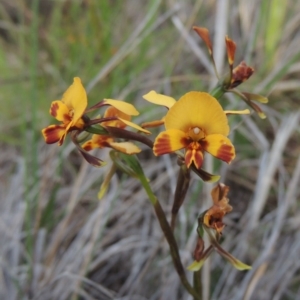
(117, 115)
(196, 123)
(69, 111)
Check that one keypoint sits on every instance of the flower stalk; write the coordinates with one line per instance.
(137, 170)
(182, 186)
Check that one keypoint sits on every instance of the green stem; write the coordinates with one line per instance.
(197, 283)
(218, 91)
(135, 136)
(182, 186)
(174, 249)
(137, 171)
(169, 237)
(96, 130)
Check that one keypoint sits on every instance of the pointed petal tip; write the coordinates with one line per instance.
(205, 176)
(261, 99)
(238, 264)
(237, 112)
(92, 160)
(214, 178)
(231, 48)
(149, 94)
(231, 259)
(204, 35)
(262, 115)
(135, 126)
(195, 266)
(77, 79)
(243, 267)
(256, 97)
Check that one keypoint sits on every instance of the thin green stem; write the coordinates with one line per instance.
(169, 237)
(197, 283)
(174, 249)
(218, 91)
(125, 134)
(182, 186)
(134, 168)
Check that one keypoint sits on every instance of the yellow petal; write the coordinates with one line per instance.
(78, 124)
(124, 107)
(135, 126)
(97, 141)
(106, 181)
(159, 99)
(255, 97)
(195, 265)
(219, 146)
(234, 261)
(153, 123)
(126, 147)
(260, 113)
(114, 112)
(237, 112)
(75, 99)
(54, 133)
(103, 189)
(169, 141)
(197, 109)
(241, 266)
(60, 111)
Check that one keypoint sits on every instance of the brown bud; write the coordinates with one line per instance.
(240, 74)
(213, 218)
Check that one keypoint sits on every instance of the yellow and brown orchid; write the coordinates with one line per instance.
(118, 115)
(196, 123)
(69, 110)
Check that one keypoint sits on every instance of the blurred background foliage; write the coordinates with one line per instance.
(57, 241)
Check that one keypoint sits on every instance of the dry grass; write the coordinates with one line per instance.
(57, 241)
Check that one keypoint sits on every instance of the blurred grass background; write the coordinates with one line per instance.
(57, 241)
